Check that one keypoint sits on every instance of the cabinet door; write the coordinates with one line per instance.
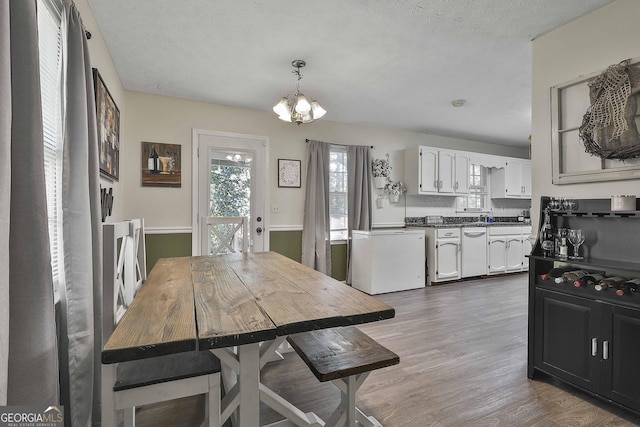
(622, 375)
(429, 181)
(512, 175)
(567, 339)
(525, 178)
(446, 169)
(513, 253)
(447, 259)
(496, 258)
(461, 184)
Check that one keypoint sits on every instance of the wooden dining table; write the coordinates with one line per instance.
(241, 308)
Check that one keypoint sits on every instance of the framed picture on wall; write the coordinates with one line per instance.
(108, 122)
(289, 173)
(161, 165)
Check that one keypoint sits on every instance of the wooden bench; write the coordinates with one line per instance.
(345, 356)
(134, 371)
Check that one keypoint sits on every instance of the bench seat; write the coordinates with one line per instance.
(341, 352)
(345, 356)
(172, 367)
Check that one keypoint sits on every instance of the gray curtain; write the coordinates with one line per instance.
(30, 376)
(81, 298)
(359, 192)
(316, 244)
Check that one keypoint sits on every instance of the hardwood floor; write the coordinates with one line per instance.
(463, 354)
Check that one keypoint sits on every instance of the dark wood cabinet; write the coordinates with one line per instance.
(587, 338)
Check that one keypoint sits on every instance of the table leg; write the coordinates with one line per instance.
(249, 381)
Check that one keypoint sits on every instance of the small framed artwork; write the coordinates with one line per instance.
(289, 173)
(161, 165)
(108, 122)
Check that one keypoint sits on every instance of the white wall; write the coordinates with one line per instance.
(101, 59)
(587, 45)
(162, 119)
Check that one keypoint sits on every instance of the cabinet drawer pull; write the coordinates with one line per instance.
(605, 350)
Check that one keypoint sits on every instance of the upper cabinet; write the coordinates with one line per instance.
(512, 180)
(431, 170)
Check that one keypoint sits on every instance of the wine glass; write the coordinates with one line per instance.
(576, 238)
(568, 204)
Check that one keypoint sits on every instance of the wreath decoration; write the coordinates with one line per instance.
(608, 128)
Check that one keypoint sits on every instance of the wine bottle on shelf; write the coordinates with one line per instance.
(152, 163)
(547, 236)
(610, 282)
(571, 276)
(629, 287)
(588, 280)
(557, 272)
(563, 247)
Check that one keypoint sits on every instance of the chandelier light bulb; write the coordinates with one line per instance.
(282, 107)
(302, 106)
(317, 110)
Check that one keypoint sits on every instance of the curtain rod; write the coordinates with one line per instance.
(344, 145)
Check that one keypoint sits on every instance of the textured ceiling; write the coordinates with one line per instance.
(395, 64)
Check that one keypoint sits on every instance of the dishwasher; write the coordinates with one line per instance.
(474, 251)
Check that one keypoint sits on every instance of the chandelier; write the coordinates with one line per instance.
(297, 108)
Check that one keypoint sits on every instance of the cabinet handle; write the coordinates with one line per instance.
(594, 347)
(435, 184)
(605, 350)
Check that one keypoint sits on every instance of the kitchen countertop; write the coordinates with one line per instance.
(467, 225)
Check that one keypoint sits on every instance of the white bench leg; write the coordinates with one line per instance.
(212, 403)
(130, 417)
(108, 409)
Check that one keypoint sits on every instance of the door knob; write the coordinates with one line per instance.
(259, 230)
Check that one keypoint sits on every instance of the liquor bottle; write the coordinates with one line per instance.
(610, 282)
(629, 287)
(557, 272)
(563, 248)
(152, 163)
(571, 276)
(588, 280)
(546, 236)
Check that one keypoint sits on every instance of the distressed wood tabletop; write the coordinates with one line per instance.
(207, 302)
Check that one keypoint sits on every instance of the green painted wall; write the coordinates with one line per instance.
(165, 246)
(287, 243)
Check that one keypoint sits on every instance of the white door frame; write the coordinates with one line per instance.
(260, 211)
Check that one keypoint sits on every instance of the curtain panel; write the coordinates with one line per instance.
(30, 375)
(358, 193)
(81, 294)
(316, 244)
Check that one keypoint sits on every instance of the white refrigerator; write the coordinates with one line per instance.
(388, 260)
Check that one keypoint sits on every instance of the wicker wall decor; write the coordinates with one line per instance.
(609, 128)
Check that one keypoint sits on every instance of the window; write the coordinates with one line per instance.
(338, 192)
(476, 200)
(49, 40)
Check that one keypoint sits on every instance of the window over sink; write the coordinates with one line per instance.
(476, 200)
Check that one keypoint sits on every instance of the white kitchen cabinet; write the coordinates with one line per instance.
(431, 170)
(461, 181)
(496, 259)
(513, 181)
(443, 254)
(507, 249)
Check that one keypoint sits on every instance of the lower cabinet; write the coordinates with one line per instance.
(507, 249)
(443, 254)
(589, 343)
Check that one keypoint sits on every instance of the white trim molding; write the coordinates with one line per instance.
(168, 230)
